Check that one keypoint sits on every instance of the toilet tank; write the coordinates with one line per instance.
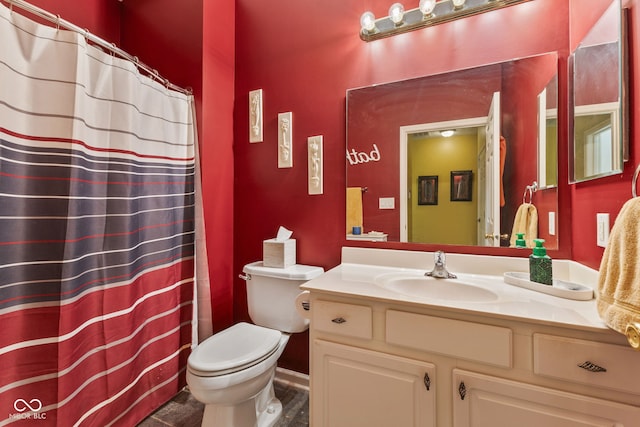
(271, 295)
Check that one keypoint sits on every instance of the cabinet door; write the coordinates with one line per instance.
(353, 387)
(485, 401)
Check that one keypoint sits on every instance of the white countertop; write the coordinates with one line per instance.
(361, 271)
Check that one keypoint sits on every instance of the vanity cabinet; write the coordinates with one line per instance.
(383, 363)
(363, 388)
(488, 401)
(359, 387)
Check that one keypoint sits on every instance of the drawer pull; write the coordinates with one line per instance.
(427, 381)
(339, 320)
(592, 367)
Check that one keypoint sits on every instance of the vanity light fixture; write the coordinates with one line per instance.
(396, 13)
(447, 133)
(368, 22)
(428, 12)
(458, 4)
(426, 7)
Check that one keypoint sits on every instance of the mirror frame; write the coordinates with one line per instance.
(551, 194)
(619, 117)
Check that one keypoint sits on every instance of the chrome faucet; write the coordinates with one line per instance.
(440, 269)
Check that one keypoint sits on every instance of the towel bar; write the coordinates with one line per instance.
(634, 182)
(529, 189)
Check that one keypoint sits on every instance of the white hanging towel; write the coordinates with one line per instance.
(526, 222)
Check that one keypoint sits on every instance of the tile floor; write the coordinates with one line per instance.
(185, 411)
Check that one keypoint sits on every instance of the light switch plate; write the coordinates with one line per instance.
(552, 223)
(386, 203)
(602, 220)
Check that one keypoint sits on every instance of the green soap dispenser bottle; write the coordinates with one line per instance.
(540, 264)
(520, 242)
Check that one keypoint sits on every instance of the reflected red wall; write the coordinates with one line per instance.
(375, 115)
(523, 81)
(607, 195)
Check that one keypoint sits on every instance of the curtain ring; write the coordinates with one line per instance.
(57, 22)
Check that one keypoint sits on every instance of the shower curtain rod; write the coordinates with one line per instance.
(95, 40)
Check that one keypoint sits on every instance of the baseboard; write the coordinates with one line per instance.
(292, 378)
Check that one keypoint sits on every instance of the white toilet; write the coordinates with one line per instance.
(232, 372)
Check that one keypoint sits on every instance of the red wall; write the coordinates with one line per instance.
(100, 17)
(305, 64)
(185, 41)
(192, 44)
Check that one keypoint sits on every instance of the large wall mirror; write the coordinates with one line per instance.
(449, 158)
(599, 108)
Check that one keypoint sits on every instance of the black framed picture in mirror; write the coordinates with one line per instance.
(461, 189)
(428, 190)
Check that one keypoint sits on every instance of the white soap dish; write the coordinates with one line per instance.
(560, 288)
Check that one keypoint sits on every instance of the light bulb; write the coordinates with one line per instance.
(368, 22)
(396, 13)
(447, 133)
(427, 6)
(458, 3)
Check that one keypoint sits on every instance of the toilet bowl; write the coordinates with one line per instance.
(232, 371)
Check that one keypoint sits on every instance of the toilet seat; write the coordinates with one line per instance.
(236, 348)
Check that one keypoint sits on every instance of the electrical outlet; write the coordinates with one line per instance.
(602, 220)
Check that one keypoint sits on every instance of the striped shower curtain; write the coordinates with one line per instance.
(96, 232)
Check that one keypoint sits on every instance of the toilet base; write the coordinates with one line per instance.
(263, 410)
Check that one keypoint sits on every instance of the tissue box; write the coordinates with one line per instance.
(279, 254)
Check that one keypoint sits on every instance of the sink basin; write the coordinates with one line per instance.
(437, 289)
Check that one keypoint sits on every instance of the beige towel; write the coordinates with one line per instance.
(526, 222)
(619, 277)
(354, 207)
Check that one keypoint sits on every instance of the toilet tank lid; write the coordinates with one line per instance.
(294, 272)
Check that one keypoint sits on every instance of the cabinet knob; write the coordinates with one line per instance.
(633, 335)
(592, 367)
(462, 390)
(339, 320)
(427, 381)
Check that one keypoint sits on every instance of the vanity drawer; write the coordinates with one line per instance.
(465, 340)
(588, 362)
(344, 319)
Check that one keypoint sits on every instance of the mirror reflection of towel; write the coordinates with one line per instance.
(619, 275)
(354, 208)
(526, 222)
